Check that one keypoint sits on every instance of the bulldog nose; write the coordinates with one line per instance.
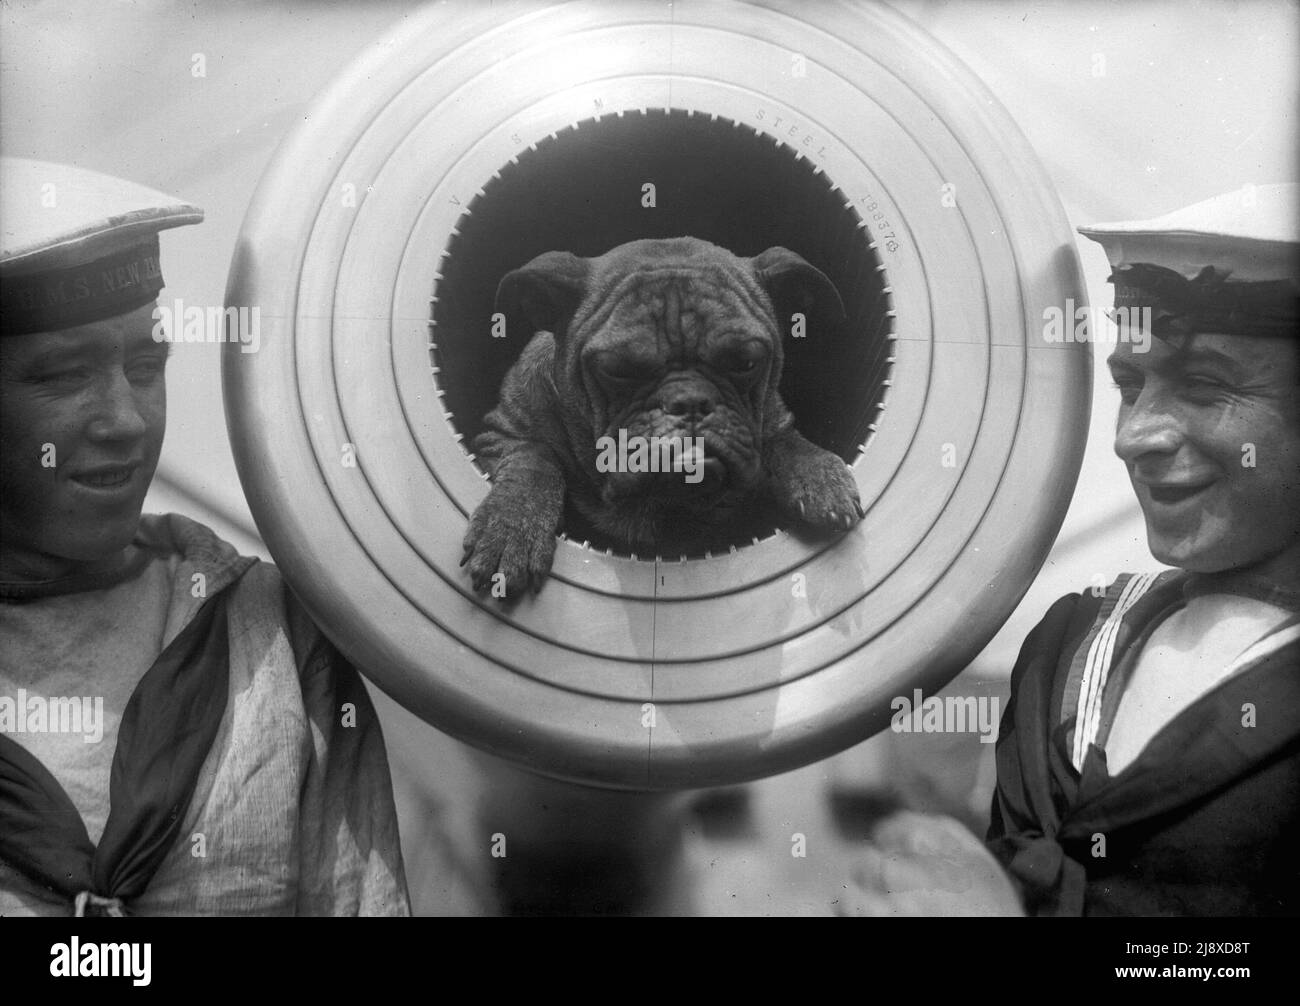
(694, 403)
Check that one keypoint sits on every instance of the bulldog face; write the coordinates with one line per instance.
(657, 351)
(673, 344)
(678, 356)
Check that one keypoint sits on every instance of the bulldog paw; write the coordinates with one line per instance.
(510, 543)
(816, 488)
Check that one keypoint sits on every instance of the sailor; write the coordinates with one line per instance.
(1149, 758)
(176, 735)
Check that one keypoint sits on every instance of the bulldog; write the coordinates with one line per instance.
(647, 398)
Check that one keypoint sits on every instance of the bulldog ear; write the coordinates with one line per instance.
(545, 292)
(794, 285)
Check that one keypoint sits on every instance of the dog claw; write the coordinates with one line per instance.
(802, 514)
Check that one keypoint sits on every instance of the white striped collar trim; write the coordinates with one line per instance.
(1100, 654)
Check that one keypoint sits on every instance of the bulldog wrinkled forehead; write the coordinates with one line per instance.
(549, 289)
(677, 273)
(667, 253)
(78, 246)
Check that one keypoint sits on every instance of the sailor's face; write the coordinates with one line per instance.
(83, 413)
(1209, 428)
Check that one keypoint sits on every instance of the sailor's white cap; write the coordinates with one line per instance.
(78, 245)
(1251, 233)
(1228, 264)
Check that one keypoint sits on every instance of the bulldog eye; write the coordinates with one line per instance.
(744, 359)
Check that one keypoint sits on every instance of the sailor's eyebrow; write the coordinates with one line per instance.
(66, 353)
(60, 356)
(1203, 355)
(1179, 362)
